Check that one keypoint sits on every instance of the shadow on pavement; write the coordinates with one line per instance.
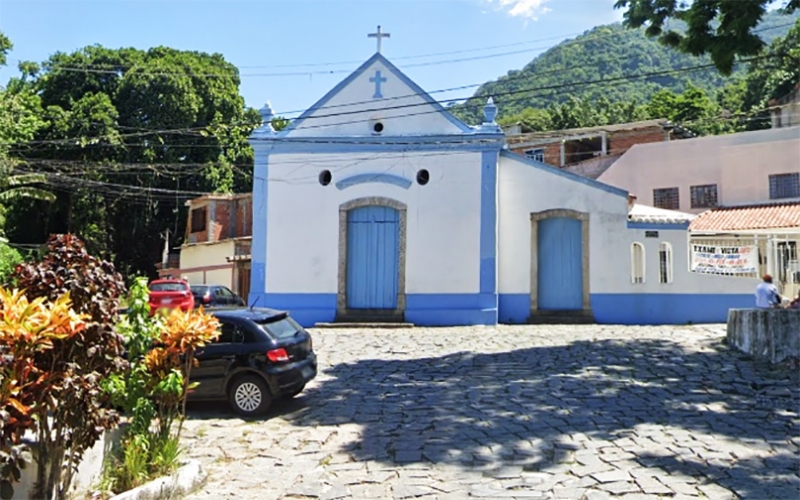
(713, 416)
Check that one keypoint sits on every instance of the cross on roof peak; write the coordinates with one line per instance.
(379, 35)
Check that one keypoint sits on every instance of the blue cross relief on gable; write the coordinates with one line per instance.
(377, 80)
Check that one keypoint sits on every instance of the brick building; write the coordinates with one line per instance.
(217, 243)
(600, 145)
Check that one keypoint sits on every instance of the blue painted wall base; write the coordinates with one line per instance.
(640, 309)
(421, 309)
(488, 309)
(666, 308)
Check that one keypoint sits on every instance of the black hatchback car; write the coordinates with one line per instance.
(215, 295)
(260, 355)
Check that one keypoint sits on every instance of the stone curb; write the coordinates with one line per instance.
(184, 481)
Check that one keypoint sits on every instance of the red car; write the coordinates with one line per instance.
(170, 294)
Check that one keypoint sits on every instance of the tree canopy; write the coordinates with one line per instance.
(723, 29)
(125, 137)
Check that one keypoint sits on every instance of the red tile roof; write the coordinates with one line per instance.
(773, 216)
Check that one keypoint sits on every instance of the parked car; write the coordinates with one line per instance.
(260, 355)
(214, 295)
(170, 294)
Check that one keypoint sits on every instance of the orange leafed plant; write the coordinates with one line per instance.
(184, 332)
(26, 328)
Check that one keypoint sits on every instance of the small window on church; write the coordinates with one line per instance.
(325, 177)
(637, 263)
(423, 176)
(378, 127)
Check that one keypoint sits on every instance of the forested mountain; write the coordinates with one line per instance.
(606, 52)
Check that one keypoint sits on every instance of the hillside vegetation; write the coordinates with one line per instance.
(606, 52)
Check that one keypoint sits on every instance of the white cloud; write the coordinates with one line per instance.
(530, 9)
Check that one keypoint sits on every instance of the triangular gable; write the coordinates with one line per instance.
(375, 92)
(563, 173)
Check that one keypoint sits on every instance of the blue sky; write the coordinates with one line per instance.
(308, 38)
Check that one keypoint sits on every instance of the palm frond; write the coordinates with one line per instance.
(26, 192)
(25, 179)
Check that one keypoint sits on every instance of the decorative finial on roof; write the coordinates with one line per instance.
(489, 111)
(266, 112)
(266, 117)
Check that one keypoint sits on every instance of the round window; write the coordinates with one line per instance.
(378, 127)
(423, 176)
(325, 177)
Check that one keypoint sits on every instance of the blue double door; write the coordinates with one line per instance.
(560, 264)
(373, 237)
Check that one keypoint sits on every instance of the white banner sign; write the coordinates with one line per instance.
(714, 259)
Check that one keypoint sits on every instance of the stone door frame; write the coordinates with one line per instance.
(342, 312)
(583, 217)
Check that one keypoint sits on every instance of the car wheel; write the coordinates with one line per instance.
(249, 396)
(294, 393)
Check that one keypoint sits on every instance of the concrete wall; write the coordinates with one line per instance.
(525, 189)
(442, 255)
(771, 335)
(739, 164)
(84, 479)
(206, 263)
(689, 298)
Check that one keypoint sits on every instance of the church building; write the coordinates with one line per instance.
(377, 204)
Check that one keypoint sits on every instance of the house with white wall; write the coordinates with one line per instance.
(376, 204)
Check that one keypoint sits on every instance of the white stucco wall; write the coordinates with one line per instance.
(443, 218)
(195, 257)
(352, 111)
(524, 189)
(739, 164)
(684, 281)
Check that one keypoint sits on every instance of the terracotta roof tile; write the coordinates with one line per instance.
(772, 216)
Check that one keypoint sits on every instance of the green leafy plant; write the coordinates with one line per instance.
(78, 411)
(152, 394)
(10, 258)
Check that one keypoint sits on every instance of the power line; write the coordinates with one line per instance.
(549, 88)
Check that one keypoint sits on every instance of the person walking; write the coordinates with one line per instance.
(767, 296)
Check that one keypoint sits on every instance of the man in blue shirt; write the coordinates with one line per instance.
(767, 295)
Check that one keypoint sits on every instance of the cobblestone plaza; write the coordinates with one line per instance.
(577, 412)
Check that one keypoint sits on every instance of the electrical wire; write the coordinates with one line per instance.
(607, 81)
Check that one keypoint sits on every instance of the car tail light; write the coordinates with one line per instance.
(206, 298)
(278, 355)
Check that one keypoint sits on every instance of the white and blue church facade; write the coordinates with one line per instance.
(378, 204)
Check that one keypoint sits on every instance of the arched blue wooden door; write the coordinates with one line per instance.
(373, 233)
(560, 255)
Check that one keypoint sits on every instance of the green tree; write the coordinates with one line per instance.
(724, 29)
(530, 120)
(20, 120)
(694, 109)
(128, 139)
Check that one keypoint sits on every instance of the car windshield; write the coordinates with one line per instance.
(199, 290)
(280, 328)
(167, 287)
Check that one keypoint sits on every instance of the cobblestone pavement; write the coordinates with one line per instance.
(580, 412)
